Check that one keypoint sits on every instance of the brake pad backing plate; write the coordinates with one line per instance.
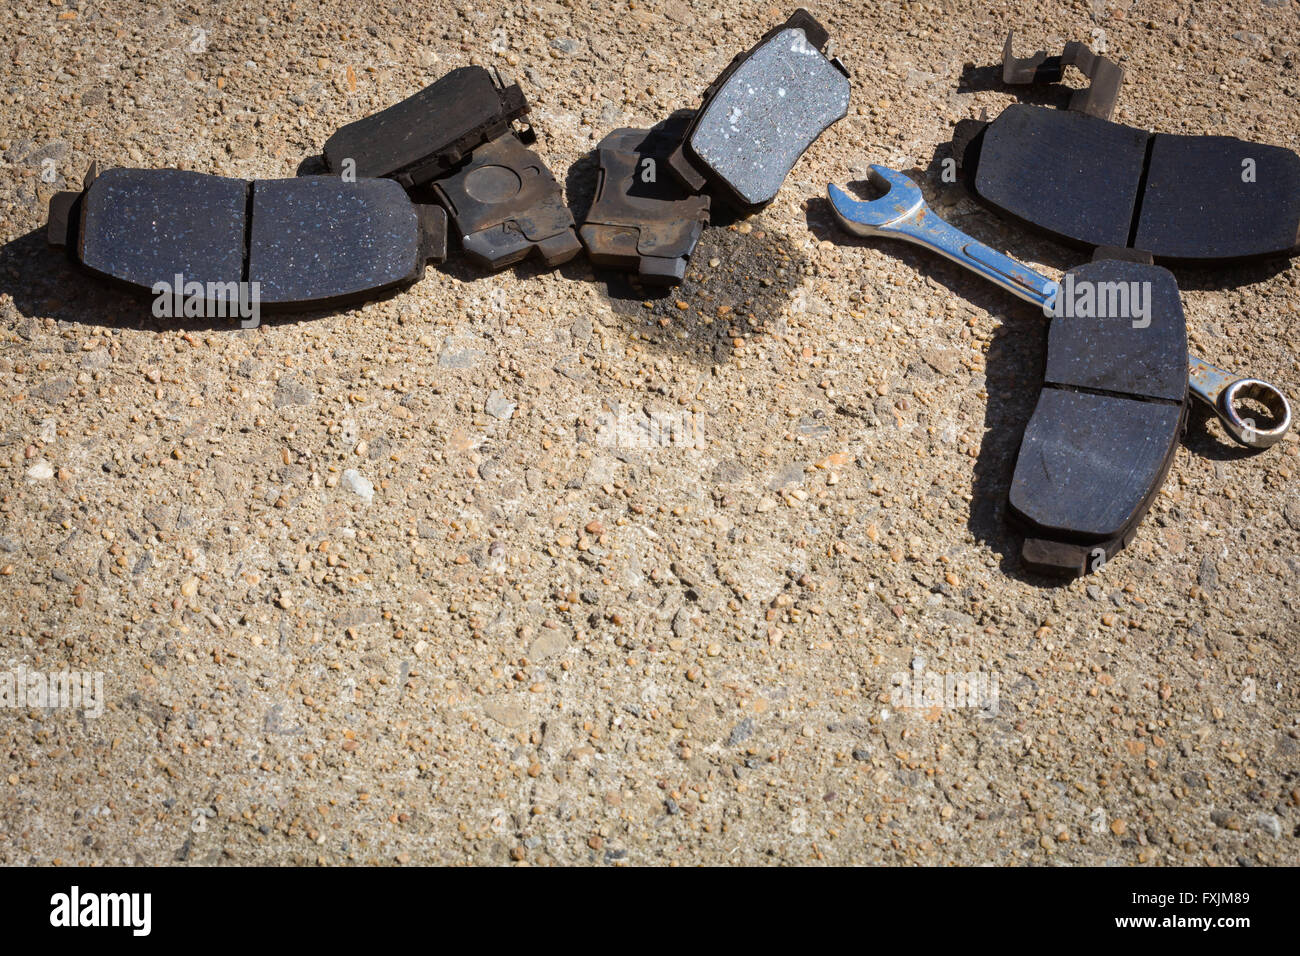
(506, 204)
(641, 218)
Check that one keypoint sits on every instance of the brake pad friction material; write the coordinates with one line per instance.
(1140, 355)
(310, 242)
(319, 240)
(762, 114)
(1219, 198)
(1091, 182)
(143, 226)
(642, 220)
(1089, 465)
(429, 133)
(506, 205)
(1068, 174)
(1109, 417)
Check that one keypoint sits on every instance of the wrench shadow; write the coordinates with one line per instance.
(1013, 375)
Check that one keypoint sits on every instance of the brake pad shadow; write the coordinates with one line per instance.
(1194, 200)
(642, 220)
(1108, 420)
(507, 205)
(310, 242)
(427, 134)
(768, 106)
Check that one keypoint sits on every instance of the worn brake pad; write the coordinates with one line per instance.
(1218, 198)
(642, 219)
(1108, 419)
(768, 106)
(311, 242)
(429, 133)
(506, 204)
(1091, 182)
(320, 241)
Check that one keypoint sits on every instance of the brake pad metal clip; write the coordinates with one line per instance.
(1098, 99)
(903, 213)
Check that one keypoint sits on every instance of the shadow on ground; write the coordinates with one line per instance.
(738, 280)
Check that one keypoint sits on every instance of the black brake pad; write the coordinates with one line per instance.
(506, 204)
(311, 242)
(768, 106)
(319, 241)
(642, 220)
(1091, 182)
(1219, 198)
(1108, 420)
(429, 133)
(1068, 173)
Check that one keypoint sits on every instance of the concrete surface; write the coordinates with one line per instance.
(419, 582)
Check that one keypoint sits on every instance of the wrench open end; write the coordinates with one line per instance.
(901, 199)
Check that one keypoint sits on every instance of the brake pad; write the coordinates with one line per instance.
(319, 241)
(427, 134)
(768, 106)
(1218, 198)
(506, 205)
(1091, 182)
(642, 220)
(311, 242)
(1108, 420)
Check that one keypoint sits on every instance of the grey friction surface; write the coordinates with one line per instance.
(1088, 462)
(760, 122)
(1072, 175)
(317, 238)
(1140, 355)
(1218, 197)
(143, 226)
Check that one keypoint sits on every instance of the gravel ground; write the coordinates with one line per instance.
(396, 585)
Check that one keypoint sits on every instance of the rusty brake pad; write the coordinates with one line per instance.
(429, 133)
(768, 106)
(642, 220)
(309, 242)
(506, 205)
(1108, 420)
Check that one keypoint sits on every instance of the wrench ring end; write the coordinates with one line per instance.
(1245, 430)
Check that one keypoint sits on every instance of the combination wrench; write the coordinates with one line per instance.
(902, 213)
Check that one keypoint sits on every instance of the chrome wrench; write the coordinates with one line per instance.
(902, 213)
